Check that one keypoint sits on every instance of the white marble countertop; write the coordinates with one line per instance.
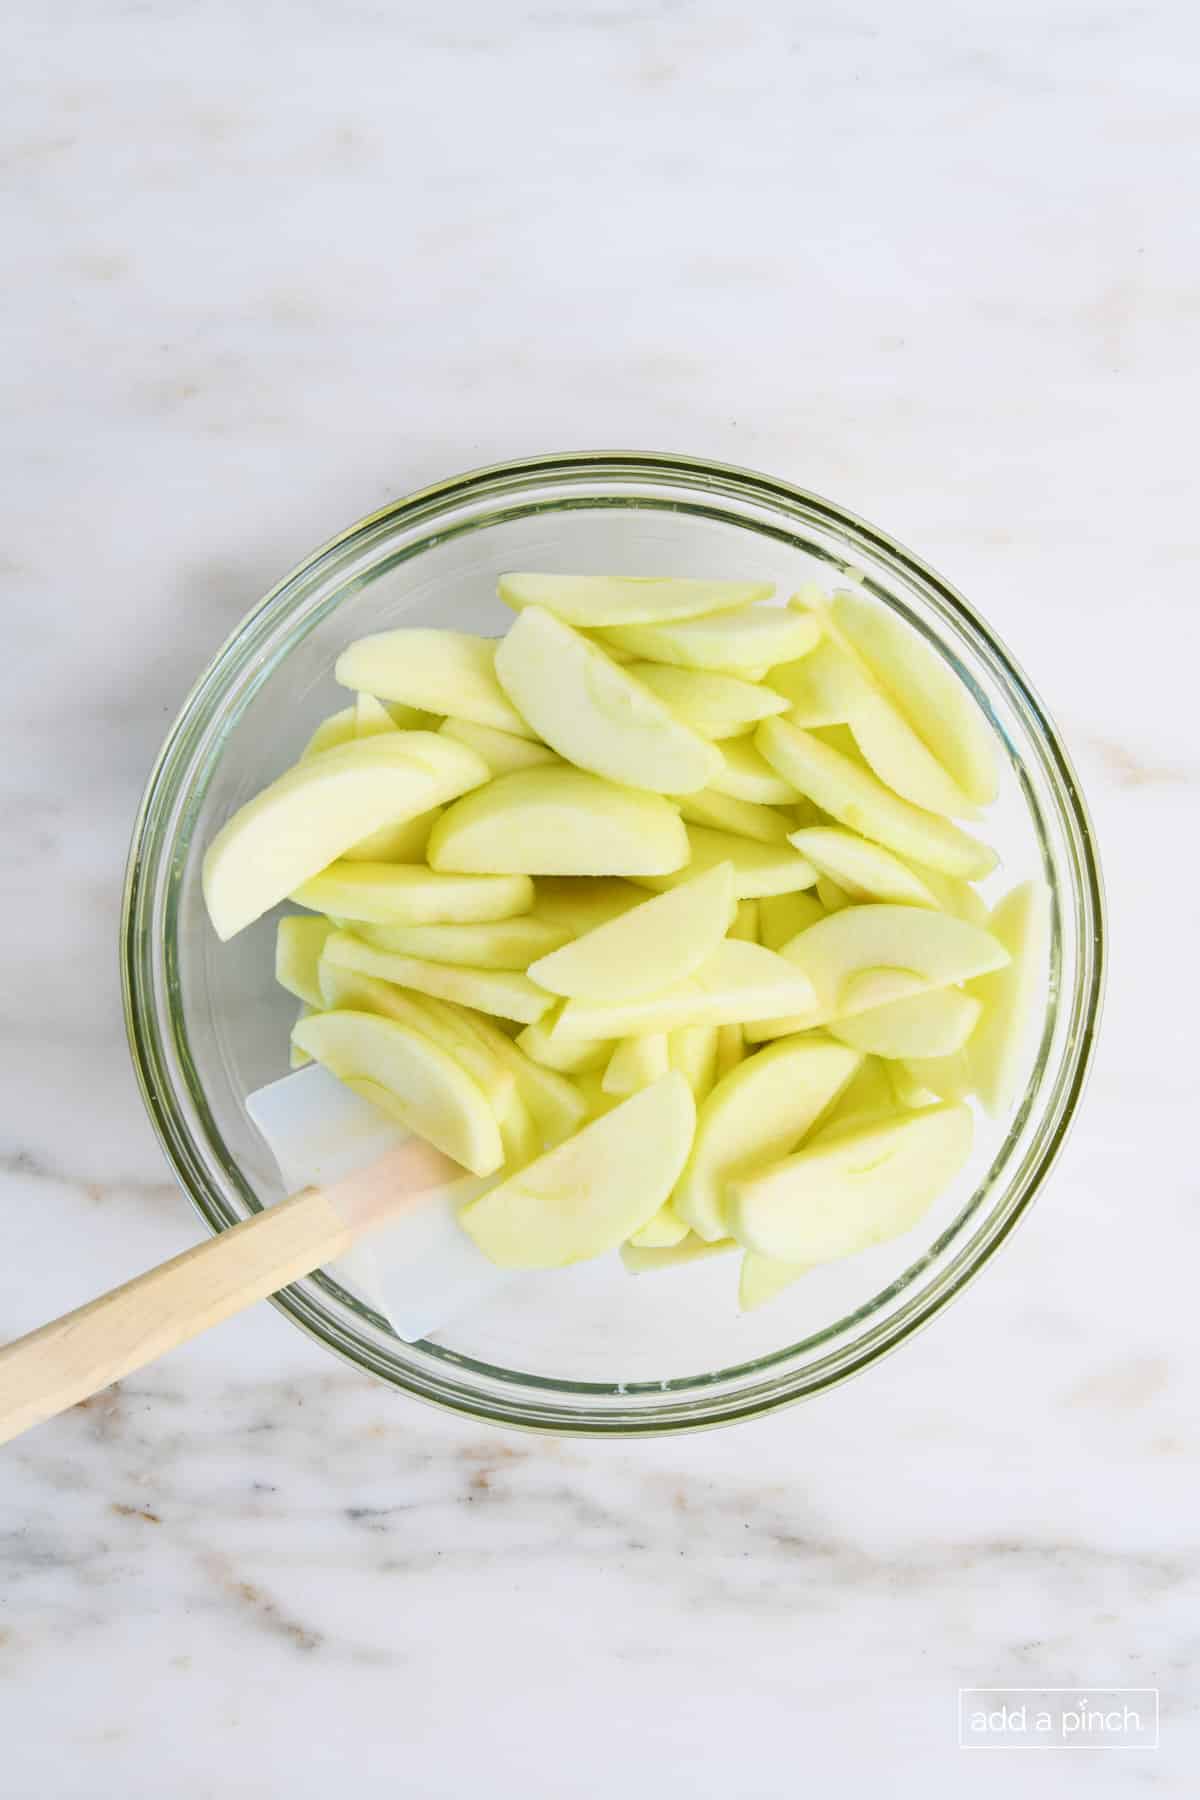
(267, 267)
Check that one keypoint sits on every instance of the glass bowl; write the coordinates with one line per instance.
(588, 1349)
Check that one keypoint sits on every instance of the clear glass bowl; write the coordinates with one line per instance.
(588, 1349)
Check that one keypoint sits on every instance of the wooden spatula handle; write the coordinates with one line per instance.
(75, 1356)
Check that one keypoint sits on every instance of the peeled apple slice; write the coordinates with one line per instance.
(1010, 996)
(781, 916)
(690, 1249)
(591, 600)
(402, 843)
(850, 1187)
(594, 714)
(757, 1113)
(500, 944)
(411, 1078)
(555, 1104)
(500, 750)
(910, 947)
(445, 672)
(721, 812)
(693, 1051)
(299, 941)
(949, 1077)
(746, 775)
(321, 806)
(757, 868)
(661, 1232)
(636, 1062)
(731, 1049)
(717, 706)
(411, 894)
(589, 1194)
(567, 1055)
(559, 822)
(821, 689)
(855, 797)
(863, 870)
(931, 696)
(662, 941)
(738, 982)
(579, 903)
(371, 717)
(733, 643)
(762, 1278)
(832, 897)
(506, 993)
(866, 1098)
(933, 1024)
(338, 728)
(745, 922)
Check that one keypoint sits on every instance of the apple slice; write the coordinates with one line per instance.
(506, 993)
(662, 1232)
(576, 904)
(902, 760)
(717, 706)
(690, 1249)
(297, 1058)
(345, 990)
(411, 894)
(299, 941)
(745, 642)
(559, 822)
(1011, 995)
(933, 1024)
(589, 1194)
(763, 1278)
(746, 775)
(499, 944)
(854, 797)
(569, 1056)
(861, 869)
(337, 729)
(371, 717)
(662, 941)
(823, 688)
(693, 1051)
(594, 714)
(500, 750)
(949, 1077)
(738, 982)
(411, 1078)
(867, 1097)
(850, 1187)
(406, 842)
(721, 812)
(596, 1102)
(745, 922)
(306, 818)
(757, 868)
(926, 691)
(781, 916)
(953, 895)
(915, 948)
(448, 672)
(731, 1049)
(636, 1062)
(910, 1094)
(555, 1104)
(757, 1113)
(592, 600)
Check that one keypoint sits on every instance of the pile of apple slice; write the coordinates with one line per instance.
(655, 914)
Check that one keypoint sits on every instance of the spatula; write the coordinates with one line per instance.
(363, 1190)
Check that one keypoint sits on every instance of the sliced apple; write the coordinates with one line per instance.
(661, 1232)
(757, 1113)
(926, 690)
(306, 818)
(589, 1194)
(745, 922)
(936, 1023)
(867, 1097)
(593, 600)
(559, 822)
(411, 894)
(763, 1278)
(902, 760)
(501, 751)
(850, 1187)
(953, 895)
(856, 798)
(371, 717)
(577, 1055)
(910, 1093)
(746, 775)
(555, 1103)
(446, 672)
(916, 948)
(949, 1077)
(745, 642)
(636, 1062)
(576, 904)
(731, 1049)
(413, 1079)
(821, 689)
(1010, 996)
(693, 1051)
(406, 842)
(863, 870)
(717, 706)
(738, 982)
(832, 897)
(757, 868)
(596, 715)
(506, 993)
(297, 1058)
(662, 941)
(690, 1249)
(299, 941)
(721, 812)
(337, 729)
(500, 944)
(589, 1085)
(781, 916)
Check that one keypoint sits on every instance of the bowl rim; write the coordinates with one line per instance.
(781, 497)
